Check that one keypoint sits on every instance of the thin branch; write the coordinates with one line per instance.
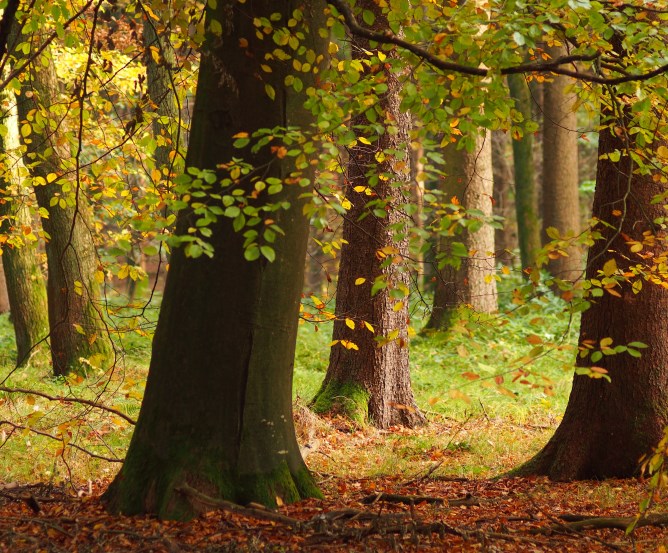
(70, 400)
(56, 438)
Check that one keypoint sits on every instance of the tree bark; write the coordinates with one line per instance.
(505, 238)
(26, 289)
(561, 201)
(609, 425)
(76, 314)
(217, 412)
(472, 284)
(370, 382)
(526, 194)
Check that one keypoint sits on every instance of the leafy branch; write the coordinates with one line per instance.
(554, 66)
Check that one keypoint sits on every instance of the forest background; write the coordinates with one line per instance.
(478, 186)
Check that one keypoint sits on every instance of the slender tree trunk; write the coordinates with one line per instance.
(230, 325)
(76, 313)
(526, 193)
(561, 203)
(370, 382)
(160, 60)
(26, 289)
(505, 238)
(470, 180)
(609, 425)
(4, 297)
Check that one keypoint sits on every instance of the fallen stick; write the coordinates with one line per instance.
(417, 499)
(586, 522)
(252, 512)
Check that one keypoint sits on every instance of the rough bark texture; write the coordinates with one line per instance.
(608, 426)
(560, 172)
(74, 295)
(526, 193)
(505, 239)
(166, 125)
(217, 412)
(372, 383)
(470, 179)
(26, 290)
(25, 285)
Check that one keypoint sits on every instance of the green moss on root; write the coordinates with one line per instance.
(343, 398)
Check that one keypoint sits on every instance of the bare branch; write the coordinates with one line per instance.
(69, 400)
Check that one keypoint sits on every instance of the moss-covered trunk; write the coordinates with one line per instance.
(561, 203)
(217, 412)
(76, 311)
(609, 425)
(471, 284)
(26, 289)
(526, 192)
(368, 376)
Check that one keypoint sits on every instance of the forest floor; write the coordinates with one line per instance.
(431, 510)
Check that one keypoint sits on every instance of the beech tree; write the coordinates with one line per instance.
(467, 277)
(76, 316)
(229, 321)
(561, 206)
(368, 377)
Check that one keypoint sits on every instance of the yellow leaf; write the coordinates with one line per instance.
(51, 177)
(345, 204)
(333, 48)
(610, 267)
(368, 326)
(398, 306)
(360, 280)
(317, 302)
(364, 140)
(350, 323)
(26, 129)
(79, 329)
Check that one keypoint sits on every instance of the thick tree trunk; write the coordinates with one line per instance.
(370, 382)
(561, 205)
(76, 313)
(472, 284)
(526, 193)
(505, 238)
(609, 425)
(217, 412)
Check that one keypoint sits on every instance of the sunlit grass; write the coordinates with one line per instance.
(484, 418)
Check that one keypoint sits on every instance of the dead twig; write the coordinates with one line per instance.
(417, 499)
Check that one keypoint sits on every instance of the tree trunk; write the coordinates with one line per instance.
(505, 238)
(167, 123)
(76, 313)
(25, 283)
(26, 290)
(470, 180)
(217, 412)
(561, 202)
(368, 377)
(609, 425)
(526, 194)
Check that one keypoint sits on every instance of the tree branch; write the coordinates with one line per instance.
(554, 66)
(70, 400)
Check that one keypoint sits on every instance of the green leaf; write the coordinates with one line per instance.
(268, 252)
